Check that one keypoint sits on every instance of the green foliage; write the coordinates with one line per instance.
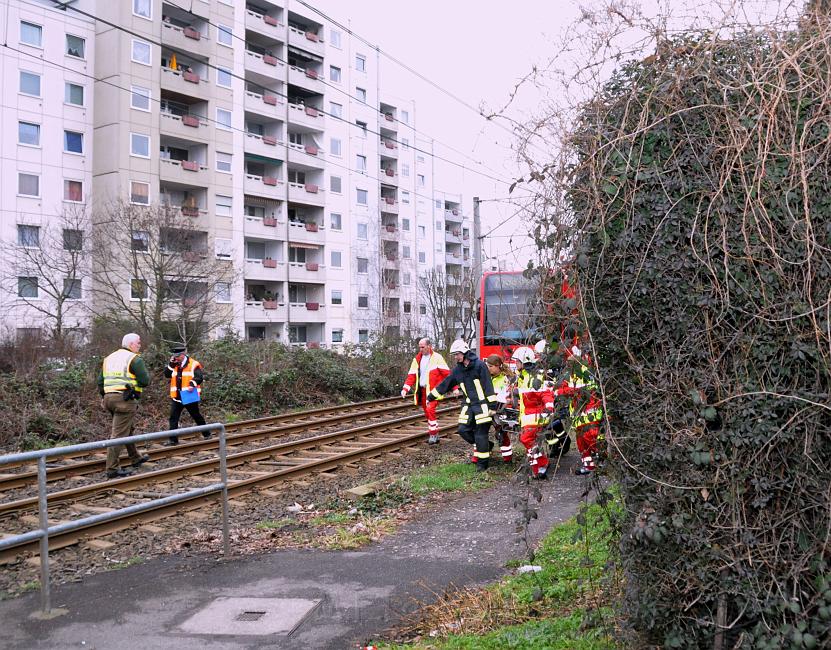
(700, 187)
(453, 477)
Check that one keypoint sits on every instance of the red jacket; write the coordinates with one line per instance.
(438, 370)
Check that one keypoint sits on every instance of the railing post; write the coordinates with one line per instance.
(45, 600)
(223, 476)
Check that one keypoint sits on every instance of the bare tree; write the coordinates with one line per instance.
(45, 271)
(155, 267)
(451, 305)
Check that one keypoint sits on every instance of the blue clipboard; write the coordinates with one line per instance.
(189, 396)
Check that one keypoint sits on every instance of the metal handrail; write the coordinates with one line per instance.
(44, 531)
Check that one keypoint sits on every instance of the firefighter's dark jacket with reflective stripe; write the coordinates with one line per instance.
(475, 382)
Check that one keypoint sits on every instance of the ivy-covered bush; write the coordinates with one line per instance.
(700, 183)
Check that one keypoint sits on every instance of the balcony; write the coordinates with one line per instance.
(453, 258)
(268, 105)
(389, 205)
(186, 172)
(308, 41)
(306, 155)
(186, 83)
(306, 78)
(264, 24)
(307, 116)
(187, 127)
(309, 272)
(389, 233)
(387, 122)
(268, 270)
(265, 65)
(308, 312)
(389, 177)
(268, 186)
(308, 193)
(453, 236)
(390, 261)
(266, 311)
(306, 233)
(388, 148)
(264, 227)
(186, 39)
(454, 215)
(263, 145)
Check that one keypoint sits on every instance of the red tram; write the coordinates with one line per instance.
(509, 313)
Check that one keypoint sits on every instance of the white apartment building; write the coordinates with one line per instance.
(264, 126)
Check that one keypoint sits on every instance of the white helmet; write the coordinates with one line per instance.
(524, 355)
(540, 347)
(459, 346)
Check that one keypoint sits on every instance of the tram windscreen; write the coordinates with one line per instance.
(511, 308)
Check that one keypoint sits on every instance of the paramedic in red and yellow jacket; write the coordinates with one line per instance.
(427, 371)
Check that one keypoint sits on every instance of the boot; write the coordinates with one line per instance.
(482, 464)
(433, 439)
(172, 442)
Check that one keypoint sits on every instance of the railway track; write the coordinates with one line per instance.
(249, 469)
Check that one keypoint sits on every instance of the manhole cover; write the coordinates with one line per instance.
(256, 616)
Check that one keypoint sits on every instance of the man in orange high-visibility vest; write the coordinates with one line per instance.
(185, 374)
(427, 371)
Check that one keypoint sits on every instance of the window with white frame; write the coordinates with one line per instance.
(422, 257)
(223, 162)
(139, 193)
(140, 98)
(407, 306)
(405, 196)
(337, 335)
(405, 224)
(363, 301)
(72, 289)
(335, 259)
(73, 94)
(360, 94)
(223, 77)
(361, 196)
(141, 52)
(439, 247)
(139, 289)
(363, 265)
(421, 180)
(28, 184)
(222, 291)
(422, 232)
(335, 184)
(29, 83)
(335, 147)
(405, 117)
(405, 278)
(223, 248)
(360, 63)
(337, 297)
(73, 191)
(362, 128)
(28, 236)
(73, 240)
(362, 231)
(405, 169)
(334, 73)
(140, 241)
(405, 252)
(223, 119)
(438, 204)
(363, 336)
(31, 34)
(143, 8)
(75, 46)
(140, 145)
(27, 287)
(335, 38)
(28, 133)
(73, 142)
(335, 221)
(335, 109)
(422, 309)
(224, 205)
(420, 158)
(438, 225)
(360, 163)
(225, 35)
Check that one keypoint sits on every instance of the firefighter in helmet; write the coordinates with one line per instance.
(536, 403)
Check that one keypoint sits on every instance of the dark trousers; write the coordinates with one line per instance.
(176, 412)
(476, 434)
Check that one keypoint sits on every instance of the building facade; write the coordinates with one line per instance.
(263, 129)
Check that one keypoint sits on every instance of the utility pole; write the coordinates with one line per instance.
(477, 245)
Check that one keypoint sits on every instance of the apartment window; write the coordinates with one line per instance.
(362, 231)
(223, 248)
(139, 193)
(73, 142)
(223, 162)
(438, 225)
(405, 197)
(335, 147)
(335, 258)
(405, 169)
(75, 46)
(222, 291)
(140, 241)
(363, 265)
(405, 279)
(73, 240)
(143, 8)
(223, 119)
(360, 163)
(408, 307)
(420, 159)
(363, 302)
(28, 184)
(422, 232)
(140, 145)
(73, 94)
(337, 335)
(71, 289)
(27, 287)
(335, 109)
(405, 224)
(360, 94)
(360, 63)
(405, 117)
(223, 77)
(362, 126)
(421, 180)
(298, 334)
(363, 336)
(138, 290)
(361, 196)
(334, 73)
(337, 297)
(223, 205)
(296, 138)
(28, 134)
(405, 252)
(422, 257)
(141, 52)
(30, 83)
(438, 204)
(140, 98)
(31, 34)
(28, 236)
(422, 309)
(73, 191)
(439, 248)
(335, 38)
(335, 184)
(224, 35)
(405, 143)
